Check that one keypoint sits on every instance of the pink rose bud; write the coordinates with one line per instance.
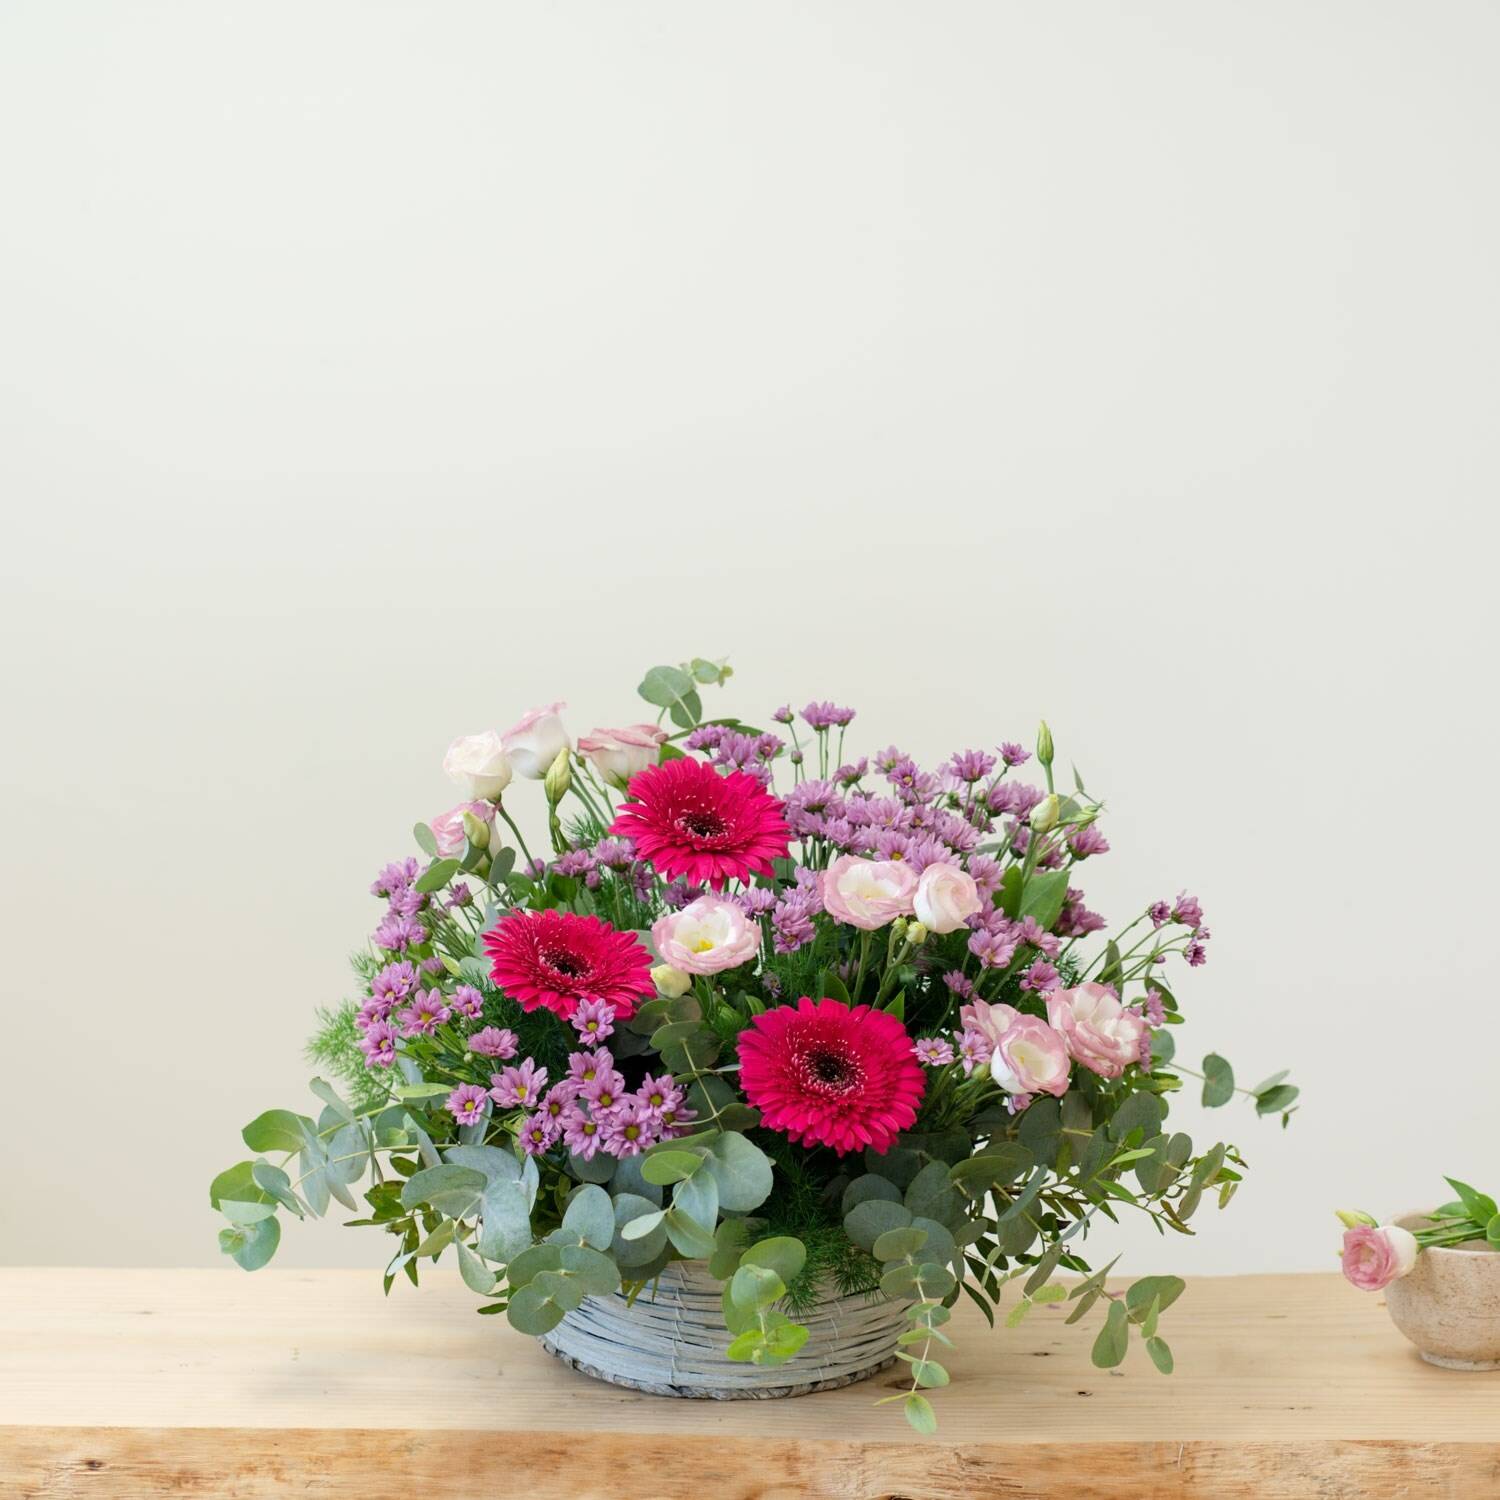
(1374, 1258)
(1100, 1032)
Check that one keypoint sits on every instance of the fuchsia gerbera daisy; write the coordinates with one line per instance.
(828, 1075)
(556, 959)
(686, 819)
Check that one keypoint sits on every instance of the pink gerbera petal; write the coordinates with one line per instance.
(828, 1075)
(554, 959)
(686, 819)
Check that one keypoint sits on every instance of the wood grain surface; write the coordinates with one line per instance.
(215, 1383)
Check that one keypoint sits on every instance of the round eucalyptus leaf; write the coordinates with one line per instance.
(742, 1171)
(532, 1311)
(862, 1189)
(867, 1221)
(591, 1215)
(783, 1255)
(898, 1244)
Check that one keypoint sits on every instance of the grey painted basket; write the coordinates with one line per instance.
(672, 1343)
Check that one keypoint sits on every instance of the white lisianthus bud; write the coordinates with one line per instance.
(559, 776)
(1044, 815)
(670, 982)
(476, 831)
(1351, 1218)
(916, 934)
(1044, 744)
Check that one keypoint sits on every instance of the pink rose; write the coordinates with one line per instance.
(617, 754)
(534, 740)
(945, 897)
(1100, 1032)
(1374, 1258)
(1031, 1058)
(706, 937)
(868, 893)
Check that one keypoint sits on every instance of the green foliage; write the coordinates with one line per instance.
(334, 1048)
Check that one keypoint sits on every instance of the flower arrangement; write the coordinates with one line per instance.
(817, 1022)
(1374, 1255)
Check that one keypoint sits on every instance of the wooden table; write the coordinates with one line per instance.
(215, 1383)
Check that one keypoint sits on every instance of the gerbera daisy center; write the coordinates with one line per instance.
(702, 823)
(833, 1072)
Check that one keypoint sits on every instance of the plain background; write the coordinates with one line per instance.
(370, 373)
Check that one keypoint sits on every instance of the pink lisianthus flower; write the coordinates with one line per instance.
(1374, 1257)
(1031, 1058)
(1099, 1031)
(532, 743)
(707, 936)
(989, 1019)
(448, 827)
(617, 754)
(945, 897)
(868, 893)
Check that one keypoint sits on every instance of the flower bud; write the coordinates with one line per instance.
(559, 776)
(1044, 815)
(916, 934)
(1352, 1219)
(476, 830)
(670, 982)
(1044, 744)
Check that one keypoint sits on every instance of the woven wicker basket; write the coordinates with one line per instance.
(671, 1342)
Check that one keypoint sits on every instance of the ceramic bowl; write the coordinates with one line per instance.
(1449, 1305)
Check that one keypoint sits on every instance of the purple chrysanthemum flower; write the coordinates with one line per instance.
(784, 714)
(987, 873)
(494, 1041)
(394, 877)
(933, 1051)
(460, 895)
(585, 1067)
(1013, 754)
(974, 1050)
(1076, 919)
(557, 1099)
(676, 1120)
(379, 1045)
(704, 737)
(467, 1002)
(1196, 954)
(407, 902)
(580, 1133)
(370, 1012)
(1041, 977)
(521, 1086)
(795, 756)
(972, 765)
(1015, 1103)
(1086, 841)
(791, 921)
(848, 775)
(960, 986)
(576, 862)
(594, 1020)
(424, 1015)
(1153, 1009)
(1160, 913)
(394, 982)
(629, 1129)
(994, 950)
(468, 1103)
(678, 893)
(659, 1095)
(397, 934)
(614, 854)
(604, 1091)
(1031, 931)
(1187, 910)
(824, 715)
(537, 1133)
(755, 900)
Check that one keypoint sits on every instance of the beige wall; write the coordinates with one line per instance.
(372, 372)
